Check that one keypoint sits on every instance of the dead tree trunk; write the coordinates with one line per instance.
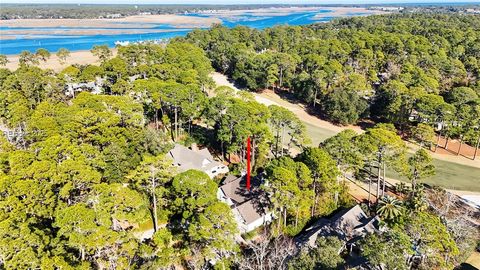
(460, 146)
(154, 198)
(476, 148)
(281, 78)
(369, 186)
(438, 141)
(176, 123)
(314, 208)
(383, 188)
(378, 179)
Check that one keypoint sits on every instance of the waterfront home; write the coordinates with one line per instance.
(95, 87)
(13, 135)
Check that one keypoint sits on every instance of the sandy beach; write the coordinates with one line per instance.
(77, 57)
(146, 21)
(333, 11)
(268, 97)
(176, 21)
(30, 34)
(18, 33)
(349, 11)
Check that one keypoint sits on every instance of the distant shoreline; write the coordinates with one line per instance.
(76, 57)
(147, 23)
(133, 22)
(21, 31)
(99, 11)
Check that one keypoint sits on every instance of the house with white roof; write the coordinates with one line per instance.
(186, 159)
(13, 135)
(94, 87)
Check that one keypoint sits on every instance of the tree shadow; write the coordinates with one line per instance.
(255, 196)
(365, 124)
(290, 97)
(467, 266)
(206, 137)
(236, 84)
(317, 112)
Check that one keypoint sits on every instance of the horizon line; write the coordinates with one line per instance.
(409, 2)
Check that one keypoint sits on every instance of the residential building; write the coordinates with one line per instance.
(250, 207)
(201, 160)
(13, 135)
(95, 87)
(349, 225)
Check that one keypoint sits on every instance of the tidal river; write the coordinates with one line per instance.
(14, 39)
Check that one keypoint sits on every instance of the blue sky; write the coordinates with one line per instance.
(133, 2)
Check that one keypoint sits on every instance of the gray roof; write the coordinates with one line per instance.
(353, 220)
(187, 159)
(235, 190)
(348, 225)
(250, 212)
(252, 204)
(229, 178)
(83, 85)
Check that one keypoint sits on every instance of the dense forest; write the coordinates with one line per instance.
(84, 175)
(387, 68)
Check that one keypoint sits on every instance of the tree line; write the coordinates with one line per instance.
(405, 69)
(87, 174)
(89, 11)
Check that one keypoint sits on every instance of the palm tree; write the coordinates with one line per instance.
(389, 208)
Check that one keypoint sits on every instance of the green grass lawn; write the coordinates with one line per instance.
(318, 134)
(448, 174)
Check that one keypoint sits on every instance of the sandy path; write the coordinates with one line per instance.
(300, 110)
(77, 57)
(474, 260)
(268, 97)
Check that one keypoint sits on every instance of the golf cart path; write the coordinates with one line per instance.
(268, 98)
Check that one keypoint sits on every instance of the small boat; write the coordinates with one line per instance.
(121, 43)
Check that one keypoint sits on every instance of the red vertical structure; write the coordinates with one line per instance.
(248, 163)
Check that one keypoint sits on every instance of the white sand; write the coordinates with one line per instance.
(270, 98)
(150, 21)
(127, 22)
(10, 34)
(334, 11)
(348, 11)
(78, 57)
